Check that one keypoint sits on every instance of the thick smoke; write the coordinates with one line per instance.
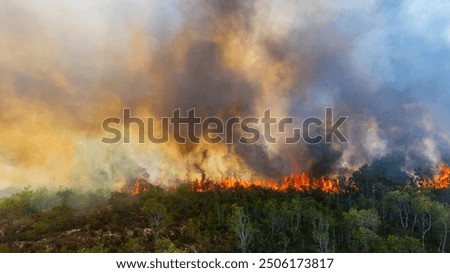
(64, 67)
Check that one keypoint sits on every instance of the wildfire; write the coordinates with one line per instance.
(136, 187)
(441, 181)
(299, 182)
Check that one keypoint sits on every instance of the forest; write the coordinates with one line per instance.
(377, 211)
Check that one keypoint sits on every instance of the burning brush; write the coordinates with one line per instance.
(440, 181)
(136, 186)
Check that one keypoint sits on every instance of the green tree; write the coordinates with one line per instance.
(321, 231)
(399, 202)
(423, 209)
(165, 245)
(132, 245)
(443, 220)
(396, 244)
(157, 216)
(361, 227)
(241, 226)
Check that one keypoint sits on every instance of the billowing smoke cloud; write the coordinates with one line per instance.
(65, 66)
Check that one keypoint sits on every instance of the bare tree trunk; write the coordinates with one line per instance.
(444, 240)
(425, 225)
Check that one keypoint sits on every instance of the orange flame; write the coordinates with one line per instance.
(441, 181)
(137, 187)
(299, 182)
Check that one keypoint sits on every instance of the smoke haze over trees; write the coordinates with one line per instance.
(384, 216)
